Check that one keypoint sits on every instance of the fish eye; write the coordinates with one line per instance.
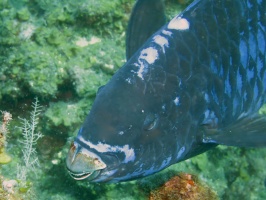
(150, 122)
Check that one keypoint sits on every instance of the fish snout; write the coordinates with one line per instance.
(83, 164)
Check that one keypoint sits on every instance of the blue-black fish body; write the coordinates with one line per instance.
(195, 83)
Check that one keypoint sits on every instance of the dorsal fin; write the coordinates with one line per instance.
(146, 18)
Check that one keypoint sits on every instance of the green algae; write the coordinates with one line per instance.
(67, 114)
(4, 157)
(39, 54)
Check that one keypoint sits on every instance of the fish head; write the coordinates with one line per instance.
(130, 131)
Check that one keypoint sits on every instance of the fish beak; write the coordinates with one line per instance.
(83, 164)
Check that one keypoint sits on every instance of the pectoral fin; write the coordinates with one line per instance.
(146, 18)
(245, 132)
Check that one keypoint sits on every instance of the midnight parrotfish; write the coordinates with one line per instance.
(187, 86)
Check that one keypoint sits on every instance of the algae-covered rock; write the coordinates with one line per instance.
(4, 157)
(43, 51)
(23, 14)
(67, 114)
(183, 187)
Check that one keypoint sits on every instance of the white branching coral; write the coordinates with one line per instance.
(30, 138)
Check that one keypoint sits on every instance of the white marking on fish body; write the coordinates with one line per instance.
(144, 172)
(165, 162)
(149, 171)
(139, 171)
(129, 153)
(178, 23)
(128, 80)
(176, 101)
(180, 152)
(160, 40)
(121, 132)
(210, 118)
(206, 97)
(150, 55)
(141, 70)
(157, 168)
(102, 148)
(167, 32)
(105, 175)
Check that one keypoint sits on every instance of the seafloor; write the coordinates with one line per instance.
(61, 51)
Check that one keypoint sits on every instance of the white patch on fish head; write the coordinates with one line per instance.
(149, 54)
(176, 101)
(128, 80)
(121, 132)
(103, 148)
(164, 107)
(178, 23)
(162, 41)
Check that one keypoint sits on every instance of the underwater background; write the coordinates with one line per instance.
(60, 52)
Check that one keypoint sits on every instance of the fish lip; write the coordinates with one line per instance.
(84, 175)
(82, 163)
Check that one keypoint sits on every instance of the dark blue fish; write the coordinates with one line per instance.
(197, 82)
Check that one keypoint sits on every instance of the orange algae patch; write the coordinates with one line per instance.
(183, 187)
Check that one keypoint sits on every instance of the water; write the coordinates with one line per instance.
(61, 52)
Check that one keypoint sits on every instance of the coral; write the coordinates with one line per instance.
(21, 188)
(9, 185)
(10, 190)
(30, 138)
(183, 187)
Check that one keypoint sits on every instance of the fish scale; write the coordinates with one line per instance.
(230, 54)
(195, 83)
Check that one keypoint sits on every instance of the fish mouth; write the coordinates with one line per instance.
(84, 175)
(83, 164)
